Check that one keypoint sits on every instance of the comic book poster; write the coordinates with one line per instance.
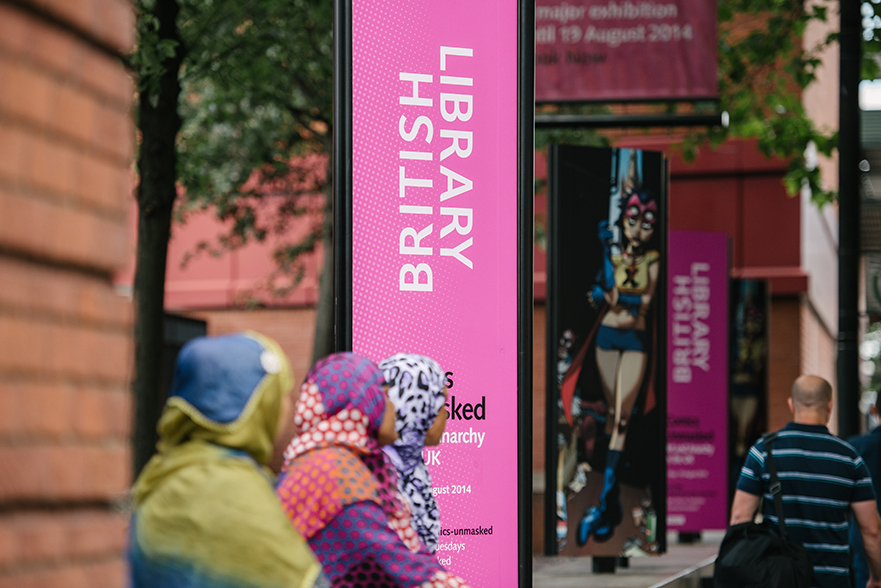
(606, 471)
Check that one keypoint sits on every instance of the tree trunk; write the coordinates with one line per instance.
(157, 163)
(324, 312)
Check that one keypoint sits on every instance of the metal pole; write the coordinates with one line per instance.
(849, 215)
(605, 121)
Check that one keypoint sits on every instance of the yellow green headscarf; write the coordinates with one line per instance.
(206, 513)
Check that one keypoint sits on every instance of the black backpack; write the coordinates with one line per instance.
(753, 556)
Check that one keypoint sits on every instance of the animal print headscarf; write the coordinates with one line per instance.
(417, 391)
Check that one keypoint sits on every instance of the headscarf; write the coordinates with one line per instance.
(341, 407)
(417, 391)
(206, 513)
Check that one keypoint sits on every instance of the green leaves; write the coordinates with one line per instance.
(256, 105)
(151, 52)
(763, 69)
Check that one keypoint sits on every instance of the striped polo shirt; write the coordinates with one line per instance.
(820, 475)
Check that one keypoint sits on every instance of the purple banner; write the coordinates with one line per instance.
(697, 381)
(624, 50)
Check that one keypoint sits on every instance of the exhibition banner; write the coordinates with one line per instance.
(607, 258)
(625, 50)
(697, 381)
(441, 214)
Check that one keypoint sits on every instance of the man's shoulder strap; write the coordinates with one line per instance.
(774, 488)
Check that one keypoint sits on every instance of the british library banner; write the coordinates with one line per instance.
(697, 381)
(440, 154)
(624, 50)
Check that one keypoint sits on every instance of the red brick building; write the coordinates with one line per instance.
(66, 146)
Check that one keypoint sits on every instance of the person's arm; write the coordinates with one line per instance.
(866, 515)
(743, 509)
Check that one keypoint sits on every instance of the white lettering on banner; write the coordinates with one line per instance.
(415, 187)
(651, 23)
(411, 276)
(455, 145)
(415, 99)
(469, 436)
(690, 344)
(416, 248)
(563, 13)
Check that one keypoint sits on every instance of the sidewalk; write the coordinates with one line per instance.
(692, 560)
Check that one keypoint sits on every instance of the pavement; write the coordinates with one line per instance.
(682, 566)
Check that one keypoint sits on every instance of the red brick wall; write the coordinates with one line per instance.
(66, 146)
(293, 329)
(784, 357)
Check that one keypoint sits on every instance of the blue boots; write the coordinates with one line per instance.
(600, 521)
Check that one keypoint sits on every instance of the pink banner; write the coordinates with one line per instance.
(625, 50)
(697, 381)
(435, 245)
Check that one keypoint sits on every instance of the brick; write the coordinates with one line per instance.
(74, 113)
(80, 13)
(11, 146)
(31, 99)
(33, 288)
(47, 410)
(91, 418)
(69, 577)
(105, 183)
(52, 166)
(20, 473)
(91, 353)
(21, 344)
(114, 134)
(41, 347)
(120, 407)
(106, 470)
(57, 50)
(16, 30)
(32, 538)
(10, 420)
(40, 538)
(107, 575)
(116, 24)
(96, 533)
(62, 234)
(106, 76)
(8, 540)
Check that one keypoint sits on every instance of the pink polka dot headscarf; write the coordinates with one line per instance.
(341, 403)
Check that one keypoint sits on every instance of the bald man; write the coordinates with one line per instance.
(823, 480)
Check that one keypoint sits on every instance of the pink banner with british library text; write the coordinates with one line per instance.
(434, 245)
(587, 50)
(697, 381)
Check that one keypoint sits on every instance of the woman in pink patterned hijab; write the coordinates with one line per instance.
(338, 490)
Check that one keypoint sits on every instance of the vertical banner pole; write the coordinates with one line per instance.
(525, 240)
(342, 174)
(433, 242)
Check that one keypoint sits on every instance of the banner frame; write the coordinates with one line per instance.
(551, 339)
(343, 242)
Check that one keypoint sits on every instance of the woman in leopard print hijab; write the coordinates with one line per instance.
(416, 389)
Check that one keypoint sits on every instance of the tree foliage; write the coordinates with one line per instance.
(234, 112)
(763, 69)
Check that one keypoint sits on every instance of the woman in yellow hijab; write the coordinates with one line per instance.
(206, 514)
